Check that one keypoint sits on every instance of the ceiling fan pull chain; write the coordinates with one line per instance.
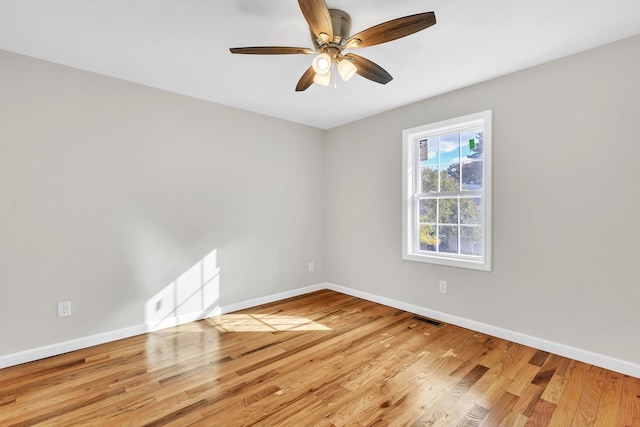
(333, 82)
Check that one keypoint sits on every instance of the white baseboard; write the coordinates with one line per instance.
(586, 356)
(581, 355)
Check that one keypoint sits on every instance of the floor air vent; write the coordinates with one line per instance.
(429, 321)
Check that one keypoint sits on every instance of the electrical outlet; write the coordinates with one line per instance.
(443, 286)
(64, 308)
(310, 266)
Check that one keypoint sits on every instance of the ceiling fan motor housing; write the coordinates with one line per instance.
(341, 22)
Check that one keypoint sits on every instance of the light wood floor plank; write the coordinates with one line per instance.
(629, 409)
(610, 399)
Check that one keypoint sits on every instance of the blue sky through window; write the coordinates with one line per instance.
(449, 149)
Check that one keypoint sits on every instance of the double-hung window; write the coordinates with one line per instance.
(447, 192)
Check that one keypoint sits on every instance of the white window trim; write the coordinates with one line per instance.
(410, 181)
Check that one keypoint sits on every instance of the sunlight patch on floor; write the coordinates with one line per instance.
(264, 323)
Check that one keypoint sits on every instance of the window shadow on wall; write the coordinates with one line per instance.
(194, 295)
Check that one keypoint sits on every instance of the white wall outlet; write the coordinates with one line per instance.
(64, 308)
(311, 266)
(443, 286)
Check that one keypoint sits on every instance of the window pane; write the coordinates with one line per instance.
(472, 163)
(428, 239)
(448, 211)
(471, 177)
(429, 181)
(448, 239)
(471, 142)
(429, 152)
(450, 178)
(428, 210)
(471, 241)
(449, 148)
(471, 210)
(450, 162)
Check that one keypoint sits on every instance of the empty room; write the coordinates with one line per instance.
(319, 213)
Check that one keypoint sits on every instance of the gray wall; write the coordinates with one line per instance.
(566, 204)
(110, 191)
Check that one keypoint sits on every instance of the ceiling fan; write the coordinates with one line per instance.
(330, 34)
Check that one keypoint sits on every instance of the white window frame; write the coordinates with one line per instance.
(411, 191)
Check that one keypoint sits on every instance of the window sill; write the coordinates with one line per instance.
(483, 265)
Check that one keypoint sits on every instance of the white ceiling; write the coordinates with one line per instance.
(183, 46)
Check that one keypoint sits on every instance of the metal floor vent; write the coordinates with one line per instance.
(429, 321)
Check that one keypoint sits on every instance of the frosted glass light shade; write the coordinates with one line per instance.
(322, 79)
(346, 69)
(321, 64)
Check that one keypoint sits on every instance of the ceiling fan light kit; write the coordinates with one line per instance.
(330, 33)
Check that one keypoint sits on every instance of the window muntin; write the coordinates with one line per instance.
(447, 190)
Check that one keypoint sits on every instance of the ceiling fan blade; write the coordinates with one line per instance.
(271, 50)
(317, 15)
(306, 80)
(370, 70)
(392, 30)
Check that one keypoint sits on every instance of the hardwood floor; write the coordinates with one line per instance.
(324, 359)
